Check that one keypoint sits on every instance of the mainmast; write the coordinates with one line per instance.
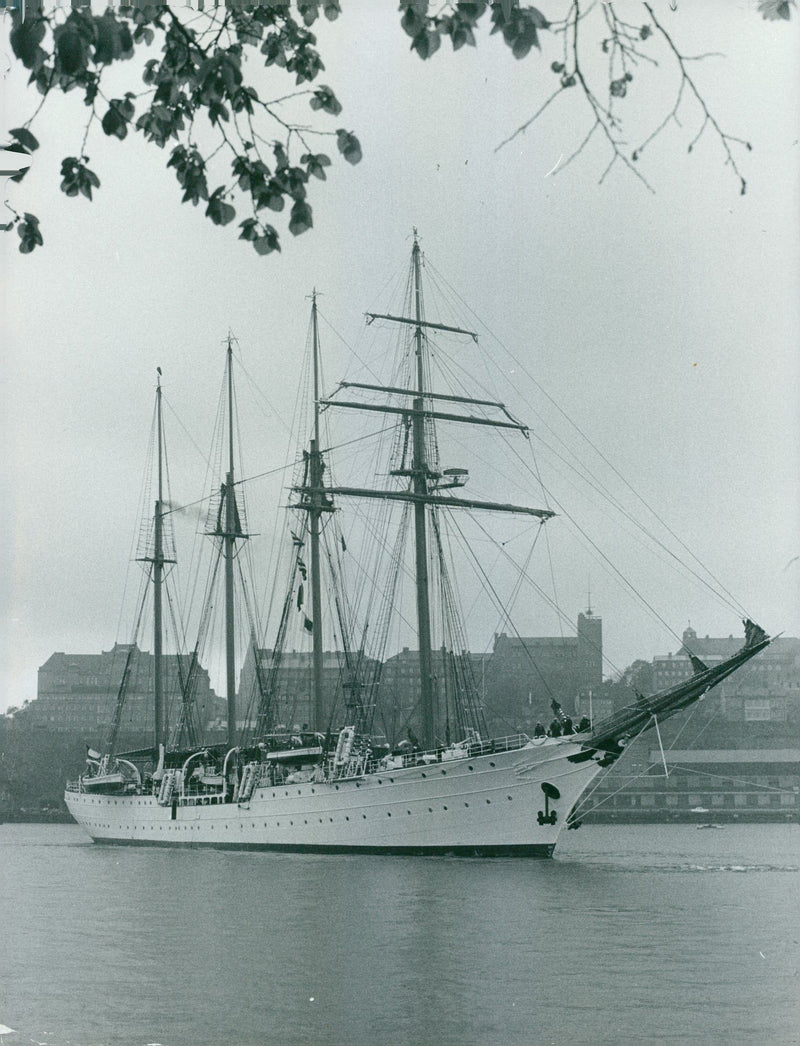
(158, 560)
(315, 469)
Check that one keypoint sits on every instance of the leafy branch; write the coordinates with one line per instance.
(627, 45)
(201, 69)
(199, 96)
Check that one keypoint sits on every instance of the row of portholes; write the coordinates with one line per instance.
(278, 823)
(388, 813)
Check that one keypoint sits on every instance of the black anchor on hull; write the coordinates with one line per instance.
(548, 816)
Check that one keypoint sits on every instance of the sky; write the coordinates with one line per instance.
(664, 324)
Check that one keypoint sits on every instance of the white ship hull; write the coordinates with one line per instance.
(492, 804)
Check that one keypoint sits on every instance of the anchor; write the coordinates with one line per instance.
(548, 816)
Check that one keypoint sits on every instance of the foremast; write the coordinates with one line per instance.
(419, 480)
(426, 482)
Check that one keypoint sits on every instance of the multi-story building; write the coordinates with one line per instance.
(524, 675)
(292, 698)
(734, 756)
(78, 692)
(767, 689)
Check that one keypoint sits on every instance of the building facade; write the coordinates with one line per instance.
(78, 692)
(766, 690)
(291, 683)
(525, 674)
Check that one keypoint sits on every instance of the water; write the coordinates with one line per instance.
(643, 934)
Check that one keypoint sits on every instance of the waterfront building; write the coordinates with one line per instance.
(290, 682)
(525, 674)
(766, 690)
(703, 785)
(753, 771)
(77, 692)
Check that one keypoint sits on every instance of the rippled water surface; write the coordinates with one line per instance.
(644, 934)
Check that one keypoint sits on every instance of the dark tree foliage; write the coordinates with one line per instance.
(198, 70)
(197, 98)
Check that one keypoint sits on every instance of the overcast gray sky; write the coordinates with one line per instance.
(666, 325)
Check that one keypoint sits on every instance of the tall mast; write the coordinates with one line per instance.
(419, 470)
(158, 578)
(315, 512)
(229, 543)
(410, 403)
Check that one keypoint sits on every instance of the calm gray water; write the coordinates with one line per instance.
(641, 934)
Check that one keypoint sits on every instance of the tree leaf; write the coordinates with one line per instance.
(25, 138)
(349, 146)
(301, 219)
(267, 242)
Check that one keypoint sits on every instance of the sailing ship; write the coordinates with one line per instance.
(318, 788)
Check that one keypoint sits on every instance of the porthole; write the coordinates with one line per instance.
(510, 798)
(346, 817)
(491, 764)
(470, 768)
(388, 813)
(430, 809)
(444, 773)
(466, 804)
(444, 807)
(424, 775)
(408, 811)
(488, 801)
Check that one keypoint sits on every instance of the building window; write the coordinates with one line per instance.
(757, 710)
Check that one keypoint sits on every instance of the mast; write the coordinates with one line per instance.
(419, 470)
(425, 486)
(315, 512)
(229, 549)
(158, 578)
